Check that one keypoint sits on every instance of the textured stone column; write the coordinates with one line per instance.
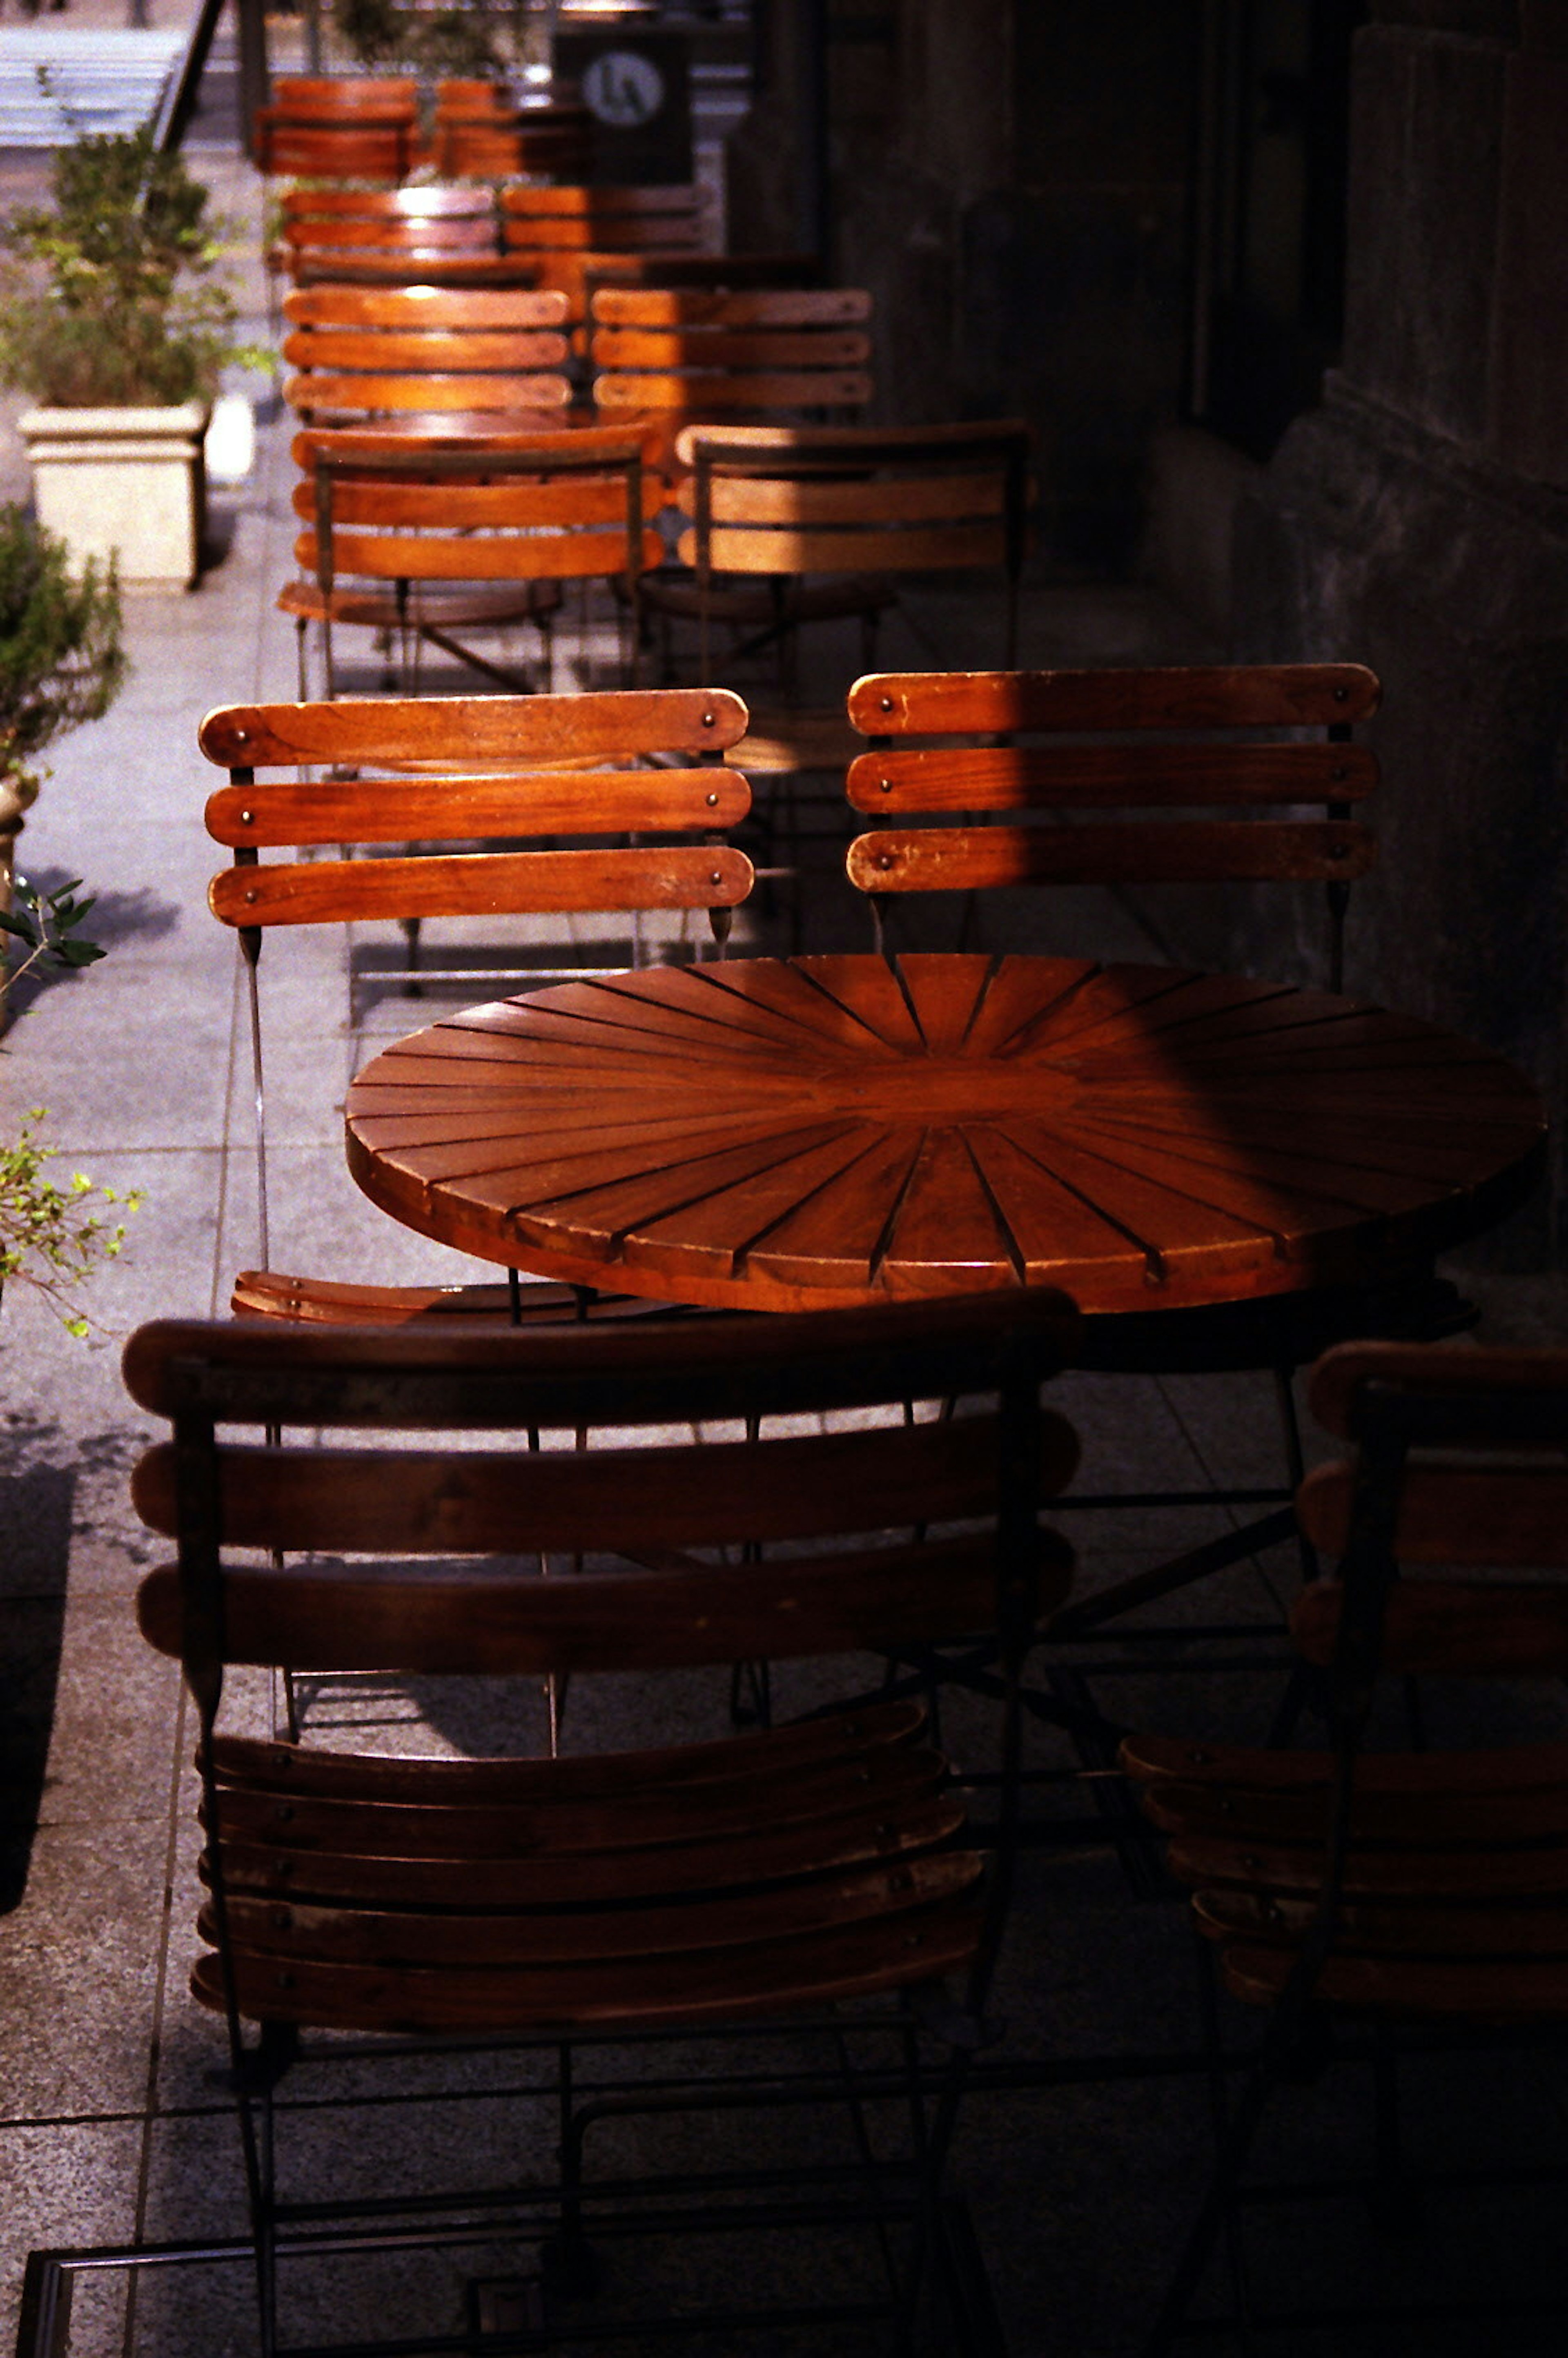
(1417, 522)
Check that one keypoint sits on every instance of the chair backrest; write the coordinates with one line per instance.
(792, 500)
(1430, 1882)
(702, 352)
(435, 219)
(366, 350)
(481, 128)
(1461, 1460)
(814, 1508)
(525, 507)
(562, 228)
(507, 769)
(344, 127)
(1187, 740)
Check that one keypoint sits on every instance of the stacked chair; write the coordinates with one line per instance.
(479, 130)
(340, 127)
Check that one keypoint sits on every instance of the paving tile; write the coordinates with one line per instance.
(72, 2184)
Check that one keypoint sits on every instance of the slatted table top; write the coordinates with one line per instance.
(789, 1134)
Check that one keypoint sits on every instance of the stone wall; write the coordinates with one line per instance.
(1418, 521)
(1011, 179)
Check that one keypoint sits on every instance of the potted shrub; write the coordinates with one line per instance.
(112, 319)
(60, 662)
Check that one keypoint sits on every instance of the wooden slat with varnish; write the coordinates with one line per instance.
(778, 1489)
(780, 1975)
(359, 1620)
(928, 859)
(813, 503)
(309, 227)
(614, 724)
(394, 207)
(658, 350)
(437, 809)
(1439, 1629)
(901, 779)
(1248, 696)
(600, 232)
(381, 351)
(905, 548)
(698, 389)
(462, 884)
(644, 308)
(520, 555)
(473, 389)
(524, 504)
(479, 310)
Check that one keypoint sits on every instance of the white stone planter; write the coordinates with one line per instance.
(127, 482)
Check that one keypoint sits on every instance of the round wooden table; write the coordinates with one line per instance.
(779, 1134)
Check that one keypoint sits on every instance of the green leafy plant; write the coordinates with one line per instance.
(456, 41)
(52, 1238)
(108, 296)
(375, 32)
(61, 661)
(45, 923)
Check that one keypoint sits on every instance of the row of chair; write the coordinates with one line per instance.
(820, 1878)
(424, 782)
(372, 128)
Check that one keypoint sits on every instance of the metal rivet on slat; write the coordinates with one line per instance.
(712, 801)
(1198, 1759)
(710, 720)
(716, 878)
(886, 785)
(1341, 695)
(248, 818)
(1336, 775)
(884, 859)
(887, 704)
(1250, 1865)
(252, 895)
(285, 1981)
(282, 1918)
(283, 1812)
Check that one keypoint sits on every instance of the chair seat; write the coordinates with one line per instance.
(522, 601)
(323, 1301)
(702, 1883)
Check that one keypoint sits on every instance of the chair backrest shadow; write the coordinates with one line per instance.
(560, 782)
(481, 128)
(1189, 760)
(388, 517)
(366, 351)
(673, 1888)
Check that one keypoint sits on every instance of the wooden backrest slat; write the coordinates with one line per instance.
(816, 1604)
(932, 860)
(579, 202)
(1252, 696)
(606, 1500)
(483, 884)
(612, 725)
(722, 271)
(1455, 1511)
(745, 389)
(475, 389)
(560, 503)
(432, 237)
(444, 350)
(906, 548)
(348, 93)
(1068, 777)
(815, 501)
(1436, 1377)
(451, 809)
(470, 555)
(393, 447)
(413, 266)
(389, 205)
(650, 308)
(1453, 1629)
(426, 307)
(772, 349)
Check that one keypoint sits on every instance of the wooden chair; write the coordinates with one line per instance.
(794, 525)
(440, 771)
(340, 127)
(561, 227)
(716, 273)
(1022, 801)
(391, 236)
(1421, 1888)
(373, 352)
(425, 539)
(811, 1875)
(1243, 742)
(481, 128)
